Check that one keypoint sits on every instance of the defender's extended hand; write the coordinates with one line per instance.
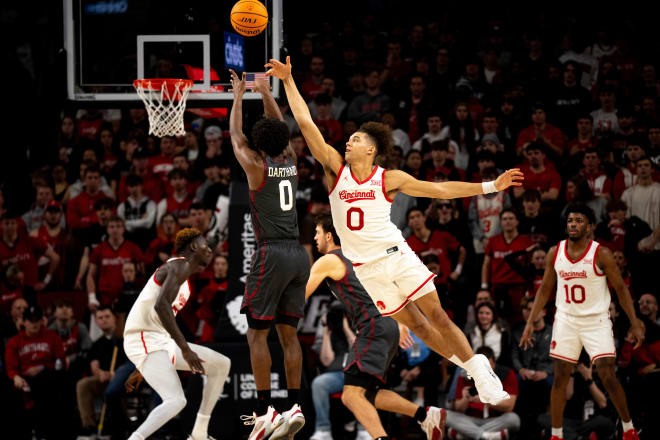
(512, 177)
(279, 70)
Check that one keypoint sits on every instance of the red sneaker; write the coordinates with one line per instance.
(630, 434)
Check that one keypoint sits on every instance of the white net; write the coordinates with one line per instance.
(165, 103)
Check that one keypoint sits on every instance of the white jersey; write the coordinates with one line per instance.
(143, 316)
(581, 286)
(361, 216)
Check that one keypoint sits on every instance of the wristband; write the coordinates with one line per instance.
(488, 187)
(48, 278)
(459, 268)
(91, 297)
(484, 285)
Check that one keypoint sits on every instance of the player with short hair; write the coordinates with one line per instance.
(360, 198)
(154, 343)
(581, 268)
(275, 286)
(375, 345)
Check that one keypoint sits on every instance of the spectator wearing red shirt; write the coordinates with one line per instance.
(80, 213)
(152, 187)
(106, 262)
(211, 298)
(540, 174)
(13, 288)
(161, 165)
(440, 164)
(161, 248)
(179, 202)
(180, 161)
(424, 241)
(507, 285)
(333, 128)
(473, 419)
(34, 358)
(54, 233)
(600, 184)
(311, 87)
(627, 175)
(24, 251)
(585, 135)
(540, 130)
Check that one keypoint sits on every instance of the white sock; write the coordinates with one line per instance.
(201, 429)
(559, 432)
(627, 426)
(472, 365)
(136, 436)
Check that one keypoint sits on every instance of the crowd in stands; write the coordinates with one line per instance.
(578, 113)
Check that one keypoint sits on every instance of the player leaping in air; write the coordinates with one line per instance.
(360, 199)
(581, 269)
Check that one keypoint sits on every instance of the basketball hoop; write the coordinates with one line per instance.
(165, 100)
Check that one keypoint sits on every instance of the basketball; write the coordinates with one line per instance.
(249, 17)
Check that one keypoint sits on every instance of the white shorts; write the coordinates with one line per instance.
(138, 345)
(395, 280)
(571, 333)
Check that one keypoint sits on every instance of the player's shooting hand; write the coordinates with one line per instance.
(512, 177)
(237, 84)
(133, 382)
(193, 361)
(277, 69)
(405, 339)
(527, 338)
(636, 333)
(261, 85)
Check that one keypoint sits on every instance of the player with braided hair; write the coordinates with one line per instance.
(154, 343)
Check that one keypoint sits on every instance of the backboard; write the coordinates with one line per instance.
(109, 43)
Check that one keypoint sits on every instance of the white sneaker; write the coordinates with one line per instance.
(294, 420)
(321, 435)
(488, 384)
(362, 435)
(434, 423)
(263, 425)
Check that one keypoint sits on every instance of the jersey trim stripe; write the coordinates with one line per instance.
(143, 343)
(365, 180)
(156, 281)
(557, 251)
(581, 256)
(382, 180)
(563, 358)
(593, 359)
(594, 263)
(263, 182)
(337, 179)
(409, 296)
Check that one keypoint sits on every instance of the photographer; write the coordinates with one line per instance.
(475, 420)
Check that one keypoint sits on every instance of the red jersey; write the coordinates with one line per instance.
(581, 146)
(160, 165)
(180, 209)
(599, 183)
(108, 261)
(497, 248)
(551, 132)
(334, 130)
(80, 212)
(543, 181)
(438, 244)
(476, 409)
(25, 252)
(23, 352)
